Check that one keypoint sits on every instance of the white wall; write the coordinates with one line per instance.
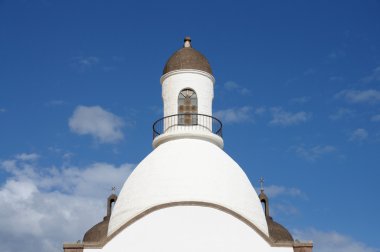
(187, 170)
(200, 82)
(189, 229)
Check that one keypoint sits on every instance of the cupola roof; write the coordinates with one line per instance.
(187, 58)
(277, 232)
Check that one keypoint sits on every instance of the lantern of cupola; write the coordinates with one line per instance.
(187, 93)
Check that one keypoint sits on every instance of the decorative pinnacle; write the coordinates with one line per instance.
(261, 184)
(187, 41)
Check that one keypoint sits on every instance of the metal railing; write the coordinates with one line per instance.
(188, 122)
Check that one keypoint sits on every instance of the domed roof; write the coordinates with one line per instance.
(277, 232)
(99, 232)
(187, 58)
(187, 170)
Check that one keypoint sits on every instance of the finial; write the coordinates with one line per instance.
(187, 41)
(261, 184)
(263, 198)
(111, 199)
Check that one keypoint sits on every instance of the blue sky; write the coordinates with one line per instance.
(297, 88)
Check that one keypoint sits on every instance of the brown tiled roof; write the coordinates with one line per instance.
(98, 232)
(187, 58)
(278, 232)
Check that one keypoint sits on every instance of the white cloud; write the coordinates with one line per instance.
(233, 86)
(47, 206)
(359, 96)
(27, 156)
(358, 135)
(284, 118)
(235, 115)
(313, 153)
(374, 76)
(342, 113)
(331, 241)
(375, 118)
(104, 126)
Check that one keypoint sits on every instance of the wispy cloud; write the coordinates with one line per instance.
(342, 113)
(283, 196)
(82, 64)
(157, 110)
(2, 110)
(331, 241)
(309, 71)
(313, 153)
(358, 135)
(359, 96)
(235, 115)
(274, 191)
(53, 103)
(286, 208)
(104, 126)
(233, 86)
(300, 100)
(336, 54)
(375, 118)
(374, 76)
(260, 110)
(27, 156)
(45, 206)
(284, 118)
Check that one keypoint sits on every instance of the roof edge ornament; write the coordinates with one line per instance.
(187, 42)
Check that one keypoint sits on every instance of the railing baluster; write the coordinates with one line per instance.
(176, 122)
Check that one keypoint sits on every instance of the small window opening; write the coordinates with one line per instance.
(187, 107)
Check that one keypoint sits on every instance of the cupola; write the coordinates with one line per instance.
(187, 94)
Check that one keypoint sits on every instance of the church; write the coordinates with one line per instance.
(188, 194)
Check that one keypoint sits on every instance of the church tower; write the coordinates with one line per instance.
(187, 94)
(188, 194)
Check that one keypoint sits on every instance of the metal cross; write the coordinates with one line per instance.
(261, 184)
(113, 189)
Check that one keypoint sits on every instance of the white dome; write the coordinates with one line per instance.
(186, 170)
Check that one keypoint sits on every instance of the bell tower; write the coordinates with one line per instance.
(187, 94)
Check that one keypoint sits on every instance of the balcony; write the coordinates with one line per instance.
(187, 124)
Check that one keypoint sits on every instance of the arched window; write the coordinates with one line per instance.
(187, 107)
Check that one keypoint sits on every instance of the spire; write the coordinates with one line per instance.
(261, 184)
(263, 197)
(187, 42)
(111, 199)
